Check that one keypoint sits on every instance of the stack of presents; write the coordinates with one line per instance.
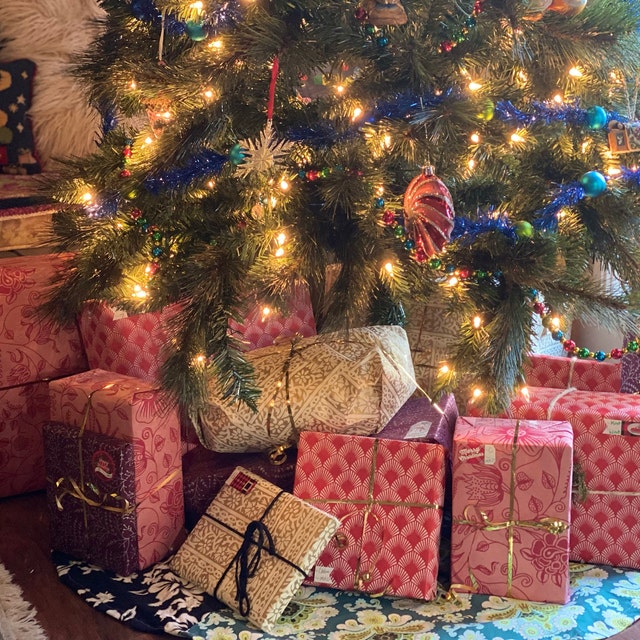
(347, 477)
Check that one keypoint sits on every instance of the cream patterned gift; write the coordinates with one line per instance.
(254, 546)
(335, 383)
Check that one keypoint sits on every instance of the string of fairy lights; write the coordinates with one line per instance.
(204, 166)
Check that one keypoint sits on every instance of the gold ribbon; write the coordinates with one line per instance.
(580, 492)
(555, 527)
(361, 577)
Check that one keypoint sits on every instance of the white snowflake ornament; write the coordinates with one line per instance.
(264, 153)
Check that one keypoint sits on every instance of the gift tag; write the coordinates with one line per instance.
(322, 575)
(489, 454)
(612, 427)
(419, 430)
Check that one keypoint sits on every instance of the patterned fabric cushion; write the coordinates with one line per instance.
(17, 148)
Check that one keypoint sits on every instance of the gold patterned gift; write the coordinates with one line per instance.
(254, 546)
(335, 383)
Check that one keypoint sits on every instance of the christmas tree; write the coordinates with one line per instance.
(375, 152)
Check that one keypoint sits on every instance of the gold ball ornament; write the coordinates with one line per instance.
(536, 8)
(568, 7)
(385, 13)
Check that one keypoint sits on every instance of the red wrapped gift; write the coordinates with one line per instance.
(605, 513)
(511, 506)
(205, 471)
(388, 496)
(562, 372)
(30, 348)
(31, 351)
(94, 512)
(23, 412)
(133, 344)
(132, 410)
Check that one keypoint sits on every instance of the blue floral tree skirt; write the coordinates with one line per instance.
(604, 601)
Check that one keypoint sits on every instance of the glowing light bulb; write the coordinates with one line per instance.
(471, 164)
(198, 6)
(477, 322)
(516, 137)
(133, 85)
(199, 360)
(453, 281)
(208, 94)
(266, 311)
(387, 141)
(139, 292)
(148, 140)
(477, 392)
(215, 44)
(357, 112)
(281, 238)
(614, 171)
(273, 201)
(388, 267)
(87, 197)
(284, 185)
(575, 72)
(279, 252)
(166, 115)
(475, 138)
(380, 190)
(585, 145)
(523, 76)
(558, 98)
(525, 393)
(211, 184)
(444, 369)
(474, 86)
(340, 89)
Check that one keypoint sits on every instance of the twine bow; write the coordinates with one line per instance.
(248, 560)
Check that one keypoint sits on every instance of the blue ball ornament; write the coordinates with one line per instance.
(236, 154)
(596, 117)
(379, 203)
(195, 30)
(599, 355)
(382, 41)
(557, 335)
(593, 183)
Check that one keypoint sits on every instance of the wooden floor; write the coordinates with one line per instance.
(24, 551)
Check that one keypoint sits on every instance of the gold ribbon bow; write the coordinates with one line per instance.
(553, 526)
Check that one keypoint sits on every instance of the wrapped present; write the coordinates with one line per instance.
(511, 508)
(624, 137)
(335, 383)
(630, 373)
(32, 349)
(134, 411)
(205, 471)
(95, 513)
(254, 546)
(23, 412)
(562, 372)
(388, 495)
(605, 512)
(133, 344)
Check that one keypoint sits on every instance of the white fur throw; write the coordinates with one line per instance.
(52, 33)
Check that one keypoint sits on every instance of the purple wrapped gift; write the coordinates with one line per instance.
(205, 471)
(91, 495)
(630, 373)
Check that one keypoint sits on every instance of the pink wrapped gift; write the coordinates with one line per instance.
(30, 348)
(132, 344)
(132, 410)
(562, 372)
(388, 496)
(605, 513)
(511, 506)
(23, 412)
(94, 511)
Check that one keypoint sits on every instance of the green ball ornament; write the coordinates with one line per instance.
(487, 110)
(195, 30)
(596, 117)
(593, 183)
(523, 229)
(236, 154)
(632, 345)
(583, 353)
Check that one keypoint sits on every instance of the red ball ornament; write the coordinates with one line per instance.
(360, 14)
(420, 255)
(428, 212)
(569, 345)
(125, 173)
(539, 307)
(388, 217)
(616, 354)
(446, 46)
(464, 274)
(126, 152)
(313, 175)
(136, 214)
